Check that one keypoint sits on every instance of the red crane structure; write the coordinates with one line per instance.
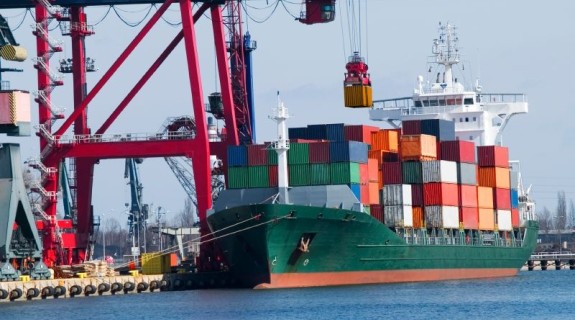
(67, 244)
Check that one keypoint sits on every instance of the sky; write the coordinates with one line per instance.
(511, 46)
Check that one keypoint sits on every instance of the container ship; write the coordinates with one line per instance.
(433, 197)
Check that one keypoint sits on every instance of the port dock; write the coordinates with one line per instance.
(555, 260)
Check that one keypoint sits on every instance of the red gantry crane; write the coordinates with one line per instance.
(65, 243)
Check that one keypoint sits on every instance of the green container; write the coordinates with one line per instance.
(238, 177)
(258, 177)
(367, 209)
(298, 153)
(412, 172)
(344, 172)
(299, 175)
(272, 157)
(320, 173)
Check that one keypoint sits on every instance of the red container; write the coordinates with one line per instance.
(372, 170)
(363, 174)
(390, 156)
(364, 193)
(469, 216)
(440, 194)
(360, 133)
(501, 199)
(467, 196)
(318, 152)
(273, 176)
(411, 127)
(391, 173)
(515, 218)
(417, 195)
(257, 155)
(458, 151)
(493, 156)
(376, 211)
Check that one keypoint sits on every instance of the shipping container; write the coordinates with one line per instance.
(469, 217)
(376, 211)
(298, 133)
(486, 219)
(391, 173)
(318, 152)
(440, 194)
(412, 172)
(298, 153)
(514, 179)
(494, 177)
(493, 156)
(348, 151)
(364, 193)
(458, 151)
(396, 194)
(344, 172)
(398, 216)
(391, 156)
(418, 218)
(320, 173)
(485, 197)
(501, 198)
(439, 171)
(299, 174)
(237, 156)
(363, 173)
(467, 195)
(272, 157)
(443, 130)
(467, 173)
(361, 133)
(372, 170)
(515, 218)
(237, 177)
(373, 193)
(257, 155)
(442, 217)
(258, 177)
(385, 140)
(356, 189)
(335, 132)
(273, 176)
(418, 147)
(417, 195)
(514, 198)
(504, 220)
(411, 127)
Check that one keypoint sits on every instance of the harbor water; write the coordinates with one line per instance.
(530, 295)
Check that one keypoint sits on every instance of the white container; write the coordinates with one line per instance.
(442, 217)
(504, 220)
(439, 171)
(396, 195)
(398, 216)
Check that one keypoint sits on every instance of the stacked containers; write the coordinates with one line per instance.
(493, 173)
(463, 154)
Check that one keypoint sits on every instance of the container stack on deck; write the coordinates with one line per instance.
(416, 177)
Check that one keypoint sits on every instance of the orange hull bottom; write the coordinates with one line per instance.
(295, 280)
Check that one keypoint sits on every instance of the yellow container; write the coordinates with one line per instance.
(154, 263)
(358, 96)
(385, 140)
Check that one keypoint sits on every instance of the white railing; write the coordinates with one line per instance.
(87, 138)
(54, 44)
(44, 67)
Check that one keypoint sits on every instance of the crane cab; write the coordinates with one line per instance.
(357, 84)
(317, 11)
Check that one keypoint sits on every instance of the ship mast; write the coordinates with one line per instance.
(281, 146)
(446, 53)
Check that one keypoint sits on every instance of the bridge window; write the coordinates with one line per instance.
(468, 101)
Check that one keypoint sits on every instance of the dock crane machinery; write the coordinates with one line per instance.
(88, 146)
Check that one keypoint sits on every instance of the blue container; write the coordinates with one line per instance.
(335, 132)
(514, 198)
(298, 133)
(348, 151)
(237, 156)
(443, 130)
(355, 188)
(317, 131)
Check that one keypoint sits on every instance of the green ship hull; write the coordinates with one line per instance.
(282, 246)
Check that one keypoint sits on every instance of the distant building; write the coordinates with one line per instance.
(549, 240)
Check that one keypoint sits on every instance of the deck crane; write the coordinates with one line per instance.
(89, 146)
(357, 82)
